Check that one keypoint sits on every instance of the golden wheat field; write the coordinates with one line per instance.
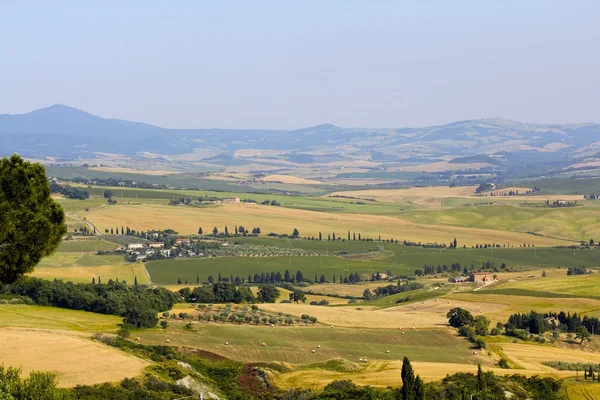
(75, 359)
(186, 220)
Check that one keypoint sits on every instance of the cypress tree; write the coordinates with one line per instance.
(348, 234)
(135, 282)
(480, 379)
(197, 278)
(354, 236)
(93, 280)
(419, 389)
(408, 380)
(320, 236)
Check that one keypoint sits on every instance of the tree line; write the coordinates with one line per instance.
(538, 323)
(458, 268)
(226, 292)
(137, 304)
(69, 191)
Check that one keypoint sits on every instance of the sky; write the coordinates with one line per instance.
(293, 64)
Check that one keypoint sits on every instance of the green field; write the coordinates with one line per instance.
(86, 246)
(38, 317)
(399, 259)
(166, 272)
(295, 344)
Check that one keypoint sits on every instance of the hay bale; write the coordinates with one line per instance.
(331, 326)
(314, 351)
(403, 332)
(137, 338)
(226, 343)
(168, 340)
(318, 346)
(263, 344)
(387, 351)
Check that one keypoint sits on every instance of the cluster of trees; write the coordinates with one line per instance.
(390, 290)
(137, 304)
(469, 326)
(237, 231)
(270, 203)
(581, 270)
(69, 191)
(456, 267)
(227, 292)
(538, 323)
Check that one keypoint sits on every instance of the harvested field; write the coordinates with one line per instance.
(291, 179)
(74, 359)
(79, 274)
(294, 344)
(386, 373)
(280, 219)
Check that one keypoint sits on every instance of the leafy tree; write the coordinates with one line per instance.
(164, 324)
(31, 223)
(297, 295)
(367, 295)
(408, 380)
(200, 232)
(296, 233)
(215, 231)
(267, 294)
(458, 317)
(108, 194)
(583, 334)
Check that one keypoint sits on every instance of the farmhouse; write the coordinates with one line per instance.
(156, 245)
(481, 277)
(181, 241)
(131, 246)
(231, 200)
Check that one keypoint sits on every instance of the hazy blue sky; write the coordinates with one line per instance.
(291, 64)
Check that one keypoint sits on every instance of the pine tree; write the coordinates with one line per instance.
(200, 231)
(135, 282)
(99, 281)
(408, 380)
(93, 280)
(320, 236)
(197, 278)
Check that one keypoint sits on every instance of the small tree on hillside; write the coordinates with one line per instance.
(296, 233)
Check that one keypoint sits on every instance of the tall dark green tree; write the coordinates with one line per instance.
(408, 380)
(419, 389)
(296, 233)
(200, 231)
(31, 223)
(320, 236)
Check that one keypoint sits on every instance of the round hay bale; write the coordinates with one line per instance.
(168, 340)
(263, 344)
(331, 326)
(272, 325)
(403, 332)
(314, 351)
(360, 359)
(226, 343)
(137, 338)
(318, 346)
(413, 328)
(387, 351)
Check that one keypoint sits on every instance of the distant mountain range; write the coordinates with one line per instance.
(67, 133)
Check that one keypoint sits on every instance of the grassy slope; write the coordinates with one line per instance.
(294, 344)
(38, 317)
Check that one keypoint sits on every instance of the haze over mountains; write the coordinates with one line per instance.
(67, 133)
